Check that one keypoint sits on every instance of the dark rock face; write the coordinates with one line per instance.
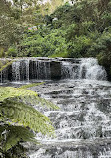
(9, 72)
(6, 74)
(55, 68)
(108, 70)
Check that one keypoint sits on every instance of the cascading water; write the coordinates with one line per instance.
(86, 68)
(70, 70)
(16, 71)
(89, 69)
(83, 123)
(41, 68)
(25, 69)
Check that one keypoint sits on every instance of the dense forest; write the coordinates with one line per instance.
(82, 29)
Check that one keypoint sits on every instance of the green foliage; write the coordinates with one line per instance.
(70, 31)
(11, 135)
(102, 44)
(78, 30)
(10, 30)
(102, 47)
(25, 115)
(24, 96)
(18, 117)
(12, 52)
(79, 47)
(66, 15)
(44, 42)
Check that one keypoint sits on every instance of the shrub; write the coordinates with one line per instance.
(79, 47)
(12, 52)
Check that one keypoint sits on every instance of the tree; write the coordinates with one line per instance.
(22, 4)
(10, 30)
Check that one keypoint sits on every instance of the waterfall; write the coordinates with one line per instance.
(59, 68)
(70, 70)
(26, 69)
(87, 68)
(83, 121)
(42, 69)
(20, 70)
(16, 71)
(39, 69)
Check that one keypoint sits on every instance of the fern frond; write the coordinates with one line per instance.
(25, 96)
(25, 115)
(10, 92)
(15, 110)
(13, 135)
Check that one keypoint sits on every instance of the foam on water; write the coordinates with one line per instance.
(83, 121)
(87, 68)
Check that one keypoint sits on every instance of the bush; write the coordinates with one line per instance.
(12, 52)
(101, 48)
(79, 47)
(44, 43)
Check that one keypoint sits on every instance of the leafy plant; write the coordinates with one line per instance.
(12, 52)
(80, 46)
(18, 119)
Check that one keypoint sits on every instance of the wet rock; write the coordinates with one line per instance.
(55, 68)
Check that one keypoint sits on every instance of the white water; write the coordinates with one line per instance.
(16, 71)
(87, 68)
(27, 69)
(23, 71)
(83, 123)
(41, 68)
(83, 120)
(92, 69)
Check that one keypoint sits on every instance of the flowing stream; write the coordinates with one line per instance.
(83, 123)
